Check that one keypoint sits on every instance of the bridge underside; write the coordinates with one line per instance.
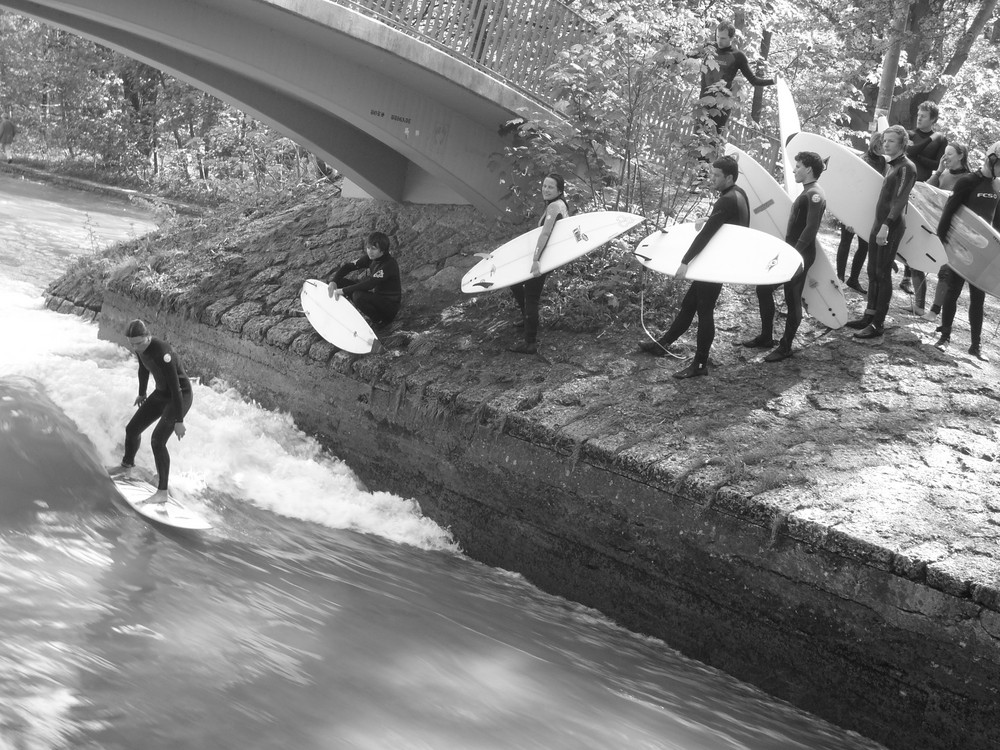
(401, 119)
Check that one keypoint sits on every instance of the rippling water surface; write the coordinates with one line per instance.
(315, 615)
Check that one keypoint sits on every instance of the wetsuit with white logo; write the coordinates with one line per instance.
(976, 192)
(803, 226)
(169, 403)
(379, 294)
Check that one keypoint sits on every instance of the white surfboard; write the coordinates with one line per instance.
(788, 125)
(770, 208)
(171, 513)
(734, 255)
(571, 238)
(972, 245)
(336, 320)
(852, 189)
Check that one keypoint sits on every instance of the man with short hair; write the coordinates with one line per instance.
(732, 207)
(803, 226)
(379, 294)
(717, 80)
(886, 232)
(167, 405)
(925, 151)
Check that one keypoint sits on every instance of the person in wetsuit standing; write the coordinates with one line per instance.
(167, 405)
(887, 232)
(379, 294)
(803, 226)
(717, 82)
(977, 192)
(732, 207)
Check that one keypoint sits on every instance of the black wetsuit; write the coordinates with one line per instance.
(717, 83)
(889, 210)
(876, 162)
(925, 151)
(732, 207)
(379, 294)
(528, 294)
(803, 226)
(976, 192)
(169, 403)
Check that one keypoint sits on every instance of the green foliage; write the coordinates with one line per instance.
(83, 109)
(628, 101)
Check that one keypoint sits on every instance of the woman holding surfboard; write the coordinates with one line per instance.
(528, 294)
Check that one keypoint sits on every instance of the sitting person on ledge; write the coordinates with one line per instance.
(379, 294)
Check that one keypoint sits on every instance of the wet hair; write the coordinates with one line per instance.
(728, 27)
(930, 108)
(728, 166)
(379, 240)
(812, 160)
(963, 154)
(900, 131)
(558, 179)
(136, 329)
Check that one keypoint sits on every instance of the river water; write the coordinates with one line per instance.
(315, 614)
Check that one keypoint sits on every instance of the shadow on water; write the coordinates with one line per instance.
(45, 462)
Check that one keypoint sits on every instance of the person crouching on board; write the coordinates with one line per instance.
(169, 403)
(803, 226)
(528, 294)
(379, 294)
(977, 192)
(732, 207)
(886, 232)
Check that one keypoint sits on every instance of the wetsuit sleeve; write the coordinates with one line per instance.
(743, 65)
(814, 218)
(907, 176)
(348, 268)
(724, 212)
(383, 284)
(963, 188)
(143, 379)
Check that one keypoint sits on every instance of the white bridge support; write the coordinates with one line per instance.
(402, 119)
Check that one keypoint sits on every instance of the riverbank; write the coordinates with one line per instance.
(824, 527)
(91, 186)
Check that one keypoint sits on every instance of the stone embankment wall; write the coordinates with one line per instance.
(533, 473)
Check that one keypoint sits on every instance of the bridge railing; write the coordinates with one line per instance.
(515, 39)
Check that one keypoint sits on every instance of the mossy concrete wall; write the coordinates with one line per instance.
(849, 630)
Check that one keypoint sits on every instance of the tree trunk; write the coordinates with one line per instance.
(890, 63)
(758, 92)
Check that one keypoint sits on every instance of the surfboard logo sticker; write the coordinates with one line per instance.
(167, 358)
(773, 263)
(580, 235)
(764, 206)
(962, 255)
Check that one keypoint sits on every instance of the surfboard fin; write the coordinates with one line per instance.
(484, 284)
(641, 256)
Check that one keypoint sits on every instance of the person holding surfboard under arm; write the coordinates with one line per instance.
(528, 294)
(886, 233)
(925, 151)
(167, 404)
(380, 293)
(803, 226)
(872, 157)
(732, 207)
(977, 192)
